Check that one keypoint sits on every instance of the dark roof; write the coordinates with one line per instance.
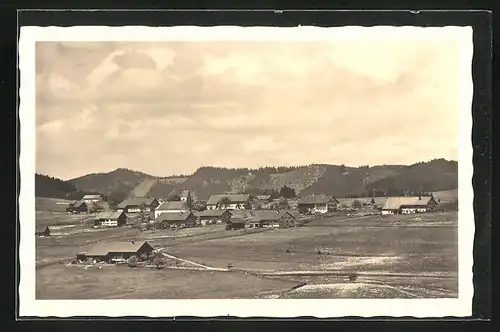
(317, 199)
(184, 193)
(268, 215)
(109, 215)
(210, 213)
(136, 201)
(41, 229)
(175, 205)
(104, 248)
(214, 199)
(79, 203)
(168, 216)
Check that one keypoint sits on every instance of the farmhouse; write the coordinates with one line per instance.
(42, 231)
(136, 204)
(78, 207)
(317, 203)
(176, 220)
(271, 219)
(186, 197)
(110, 219)
(171, 207)
(264, 198)
(408, 205)
(107, 251)
(209, 217)
(229, 202)
(92, 199)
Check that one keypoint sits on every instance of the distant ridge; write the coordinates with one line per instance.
(338, 180)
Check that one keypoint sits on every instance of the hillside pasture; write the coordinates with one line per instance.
(446, 196)
(51, 204)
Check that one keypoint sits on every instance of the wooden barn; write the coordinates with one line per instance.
(233, 225)
(209, 217)
(138, 204)
(106, 251)
(78, 207)
(42, 231)
(271, 219)
(176, 220)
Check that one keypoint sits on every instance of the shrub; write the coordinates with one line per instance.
(158, 262)
(132, 261)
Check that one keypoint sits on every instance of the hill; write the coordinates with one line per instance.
(342, 181)
(50, 187)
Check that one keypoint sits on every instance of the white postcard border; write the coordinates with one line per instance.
(29, 306)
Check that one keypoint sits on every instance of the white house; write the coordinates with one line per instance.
(171, 207)
(408, 205)
(110, 219)
(317, 203)
(92, 199)
(235, 202)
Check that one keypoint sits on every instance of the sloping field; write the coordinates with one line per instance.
(143, 188)
(51, 204)
(447, 196)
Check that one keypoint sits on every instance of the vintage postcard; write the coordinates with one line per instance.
(246, 171)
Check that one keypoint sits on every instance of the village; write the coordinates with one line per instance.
(159, 233)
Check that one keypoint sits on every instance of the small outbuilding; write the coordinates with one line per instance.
(42, 231)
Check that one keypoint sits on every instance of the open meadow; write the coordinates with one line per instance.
(392, 256)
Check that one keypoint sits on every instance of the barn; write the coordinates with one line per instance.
(176, 220)
(42, 231)
(209, 217)
(106, 251)
(78, 207)
(237, 224)
(271, 219)
(138, 204)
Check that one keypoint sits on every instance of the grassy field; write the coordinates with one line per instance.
(395, 256)
(75, 282)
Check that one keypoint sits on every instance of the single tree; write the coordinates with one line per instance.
(132, 261)
(356, 204)
(224, 202)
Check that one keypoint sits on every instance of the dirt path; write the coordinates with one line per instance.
(193, 263)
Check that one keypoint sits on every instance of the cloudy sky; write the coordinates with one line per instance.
(169, 108)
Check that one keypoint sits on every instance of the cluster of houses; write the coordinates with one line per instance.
(236, 212)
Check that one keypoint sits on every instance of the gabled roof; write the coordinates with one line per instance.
(109, 215)
(174, 216)
(41, 229)
(136, 201)
(317, 199)
(184, 193)
(175, 205)
(104, 248)
(214, 199)
(92, 197)
(210, 213)
(395, 203)
(268, 215)
(79, 203)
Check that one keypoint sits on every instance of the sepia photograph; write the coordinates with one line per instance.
(293, 171)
